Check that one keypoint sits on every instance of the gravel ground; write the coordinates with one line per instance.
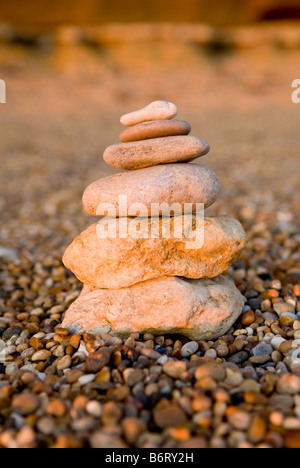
(239, 391)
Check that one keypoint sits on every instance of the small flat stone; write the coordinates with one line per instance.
(239, 420)
(56, 408)
(155, 129)
(189, 348)
(239, 357)
(257, 429)
(41, 355)
(260, 359)
(11, 331)
(168, 183)
(8, 255)
(133, 428)
(289, 384)
(64, 362)
(212, 370)
(262, 348)
(97, 360)
(292, 439)
(156, 110)
(25, 403)
(277, 341)
(141, 154)
(281, 307)
(136, 376)
(174, 369)
(86, 379)
(171, 416)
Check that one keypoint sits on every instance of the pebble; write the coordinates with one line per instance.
(257, 429)
(189, 348)
(262, 348)
(97, 360)
(175, 369)
(239, 357)
(8, 255)
(135, 377)
(133, 428)
(8, 350)
(86, 379)
(156, 110)
(11, 368)
(146, 153)
(213, 370)
(11, 331)
(283, 307)
(25, 403)
(289, 384)
(211, 353)
(64, 363)
(94, 408)
(150, 353)
(277, 341)
(171, 416)
(239, 420)
(155, 129)
(41, 355)
(248, 317)
(260, 359)
(46, 426)
(56, 408)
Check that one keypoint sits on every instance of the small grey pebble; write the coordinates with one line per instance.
(189, 348)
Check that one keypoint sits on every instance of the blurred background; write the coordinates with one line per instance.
(72, 68)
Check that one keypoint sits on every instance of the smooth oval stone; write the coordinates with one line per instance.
(118, 262)
(156, 110)
(199, 309)
(170, 183)
(155, 129)
(146, 153)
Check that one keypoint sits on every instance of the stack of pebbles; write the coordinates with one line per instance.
(158, 283)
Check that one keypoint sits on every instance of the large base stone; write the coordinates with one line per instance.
(201, 309)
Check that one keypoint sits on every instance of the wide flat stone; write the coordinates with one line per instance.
(199, 309)
(146, 153)
(169, 183)
(155, 129)
(156, 110)
(146, 253)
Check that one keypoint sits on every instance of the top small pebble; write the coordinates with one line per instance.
(156, 110)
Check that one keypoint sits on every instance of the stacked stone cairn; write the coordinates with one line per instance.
(161, 284)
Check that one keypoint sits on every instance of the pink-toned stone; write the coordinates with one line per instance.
(121, 262)
(156, 110)
(155, 129)
(199, 309)
(168, 183)
(145, 153)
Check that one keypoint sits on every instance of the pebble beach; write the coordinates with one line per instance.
(69, 391)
